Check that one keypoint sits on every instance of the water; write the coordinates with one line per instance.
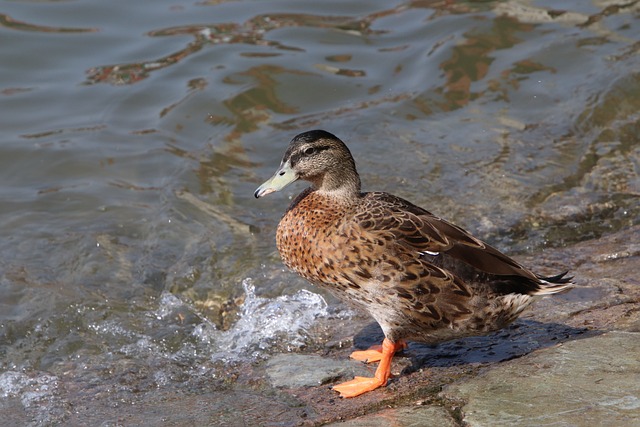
(134, 134)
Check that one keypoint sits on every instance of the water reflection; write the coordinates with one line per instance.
(471, 60)
(8, 22)
(251, 32)
(468, 62)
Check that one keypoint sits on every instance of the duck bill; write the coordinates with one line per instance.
(283, 177)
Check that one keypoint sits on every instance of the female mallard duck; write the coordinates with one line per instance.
(420, 277)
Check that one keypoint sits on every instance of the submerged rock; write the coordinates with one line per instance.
(298, 370)
(405, 416)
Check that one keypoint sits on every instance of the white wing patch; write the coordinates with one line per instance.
(429, 253)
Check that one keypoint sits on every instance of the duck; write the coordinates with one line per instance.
(420, 277)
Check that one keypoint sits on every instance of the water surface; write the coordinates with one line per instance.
(134, 134)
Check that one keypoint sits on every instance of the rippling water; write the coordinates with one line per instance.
(134, 134)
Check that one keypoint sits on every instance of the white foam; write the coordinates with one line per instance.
(36, 393)
(13, 384)
(265, 324)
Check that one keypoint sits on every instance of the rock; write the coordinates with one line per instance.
(299, 370)
(403, 417)
(593, 381)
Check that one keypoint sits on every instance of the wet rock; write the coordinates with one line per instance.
(298, 370)
(594, 381)
(403, 417)
(608, 293)
(175, 408)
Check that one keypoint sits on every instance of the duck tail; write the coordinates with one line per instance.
(554, 284)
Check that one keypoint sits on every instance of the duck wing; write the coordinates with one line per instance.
(420, 231)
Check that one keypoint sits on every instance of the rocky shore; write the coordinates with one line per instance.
(573, 360)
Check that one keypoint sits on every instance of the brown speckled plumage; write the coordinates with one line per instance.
(420, 277)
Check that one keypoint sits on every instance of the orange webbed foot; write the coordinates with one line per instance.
(358, 386)
(384, 354)
(372, 354)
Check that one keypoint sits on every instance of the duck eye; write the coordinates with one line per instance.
(309, 151)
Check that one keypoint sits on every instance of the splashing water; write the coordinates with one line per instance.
(265, 324)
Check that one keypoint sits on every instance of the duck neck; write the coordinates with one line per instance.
(342, 186)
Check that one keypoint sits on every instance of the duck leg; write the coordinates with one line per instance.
(374, 353)
(384, 354)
